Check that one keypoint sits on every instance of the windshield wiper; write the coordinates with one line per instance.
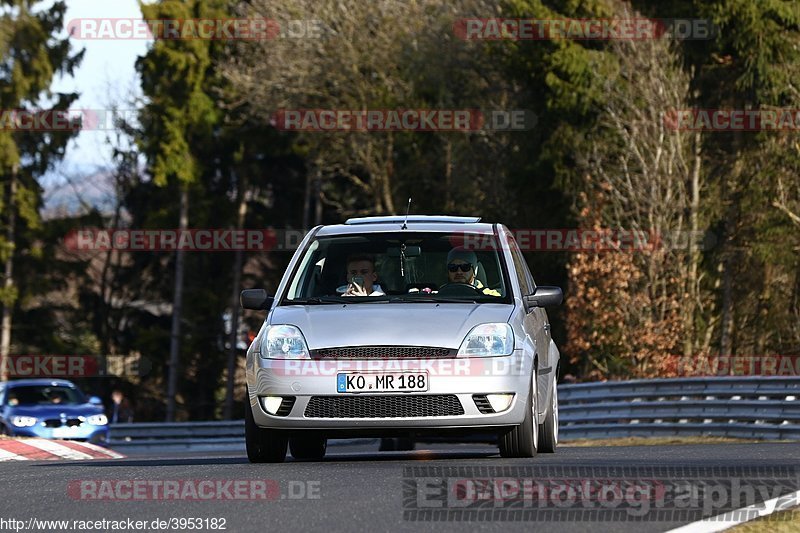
(317, 300)
(434, 299)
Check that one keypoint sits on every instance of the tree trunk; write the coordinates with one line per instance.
(307, 202)
(241, 190)
(448, 176)
(177, 308)
(728, 264)
(386, 191)
(690, 303)
(8, 280)
(318, 197)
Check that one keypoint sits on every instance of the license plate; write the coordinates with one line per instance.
(65, 431)
(382, 382)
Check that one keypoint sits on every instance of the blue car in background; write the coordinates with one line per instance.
(51, 409)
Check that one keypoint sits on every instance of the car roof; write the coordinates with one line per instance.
(41, 381)
(392, 223)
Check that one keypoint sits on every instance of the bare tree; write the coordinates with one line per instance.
(653, 181)
(368, 59)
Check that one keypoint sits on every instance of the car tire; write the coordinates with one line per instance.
(548, 431)
(263, 445)
(308, 448)
(522, 440)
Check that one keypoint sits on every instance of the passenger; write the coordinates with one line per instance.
(363, 266)
(56, 397)
(462, 265)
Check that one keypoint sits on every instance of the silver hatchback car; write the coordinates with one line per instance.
(400, 327)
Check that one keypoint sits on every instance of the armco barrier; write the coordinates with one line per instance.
(742, 407)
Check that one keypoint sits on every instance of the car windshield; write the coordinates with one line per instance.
(44, 395)
(400, 267)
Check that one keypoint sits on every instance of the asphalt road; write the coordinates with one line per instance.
(358, 488)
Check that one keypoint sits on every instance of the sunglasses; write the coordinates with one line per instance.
(465, 267)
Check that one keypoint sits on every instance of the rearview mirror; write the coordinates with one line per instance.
(95, 400)
(544, 296)
(410, 251)
(257, 299)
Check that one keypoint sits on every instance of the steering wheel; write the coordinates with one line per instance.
(458, 289)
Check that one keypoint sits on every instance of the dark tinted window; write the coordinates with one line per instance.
(44, 395)
(525, 281)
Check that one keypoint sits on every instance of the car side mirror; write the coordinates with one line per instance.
(95, 400)
(257, 299)
(544, 296)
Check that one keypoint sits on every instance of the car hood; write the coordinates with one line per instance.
(55, 411)
(388, 324)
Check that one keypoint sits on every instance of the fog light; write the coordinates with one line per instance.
(499, 402)
(272, 403)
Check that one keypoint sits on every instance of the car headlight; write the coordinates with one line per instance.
(488, 340)
(284, 342)
(23, 421)
(97, 420)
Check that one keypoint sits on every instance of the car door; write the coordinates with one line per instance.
(536, 324)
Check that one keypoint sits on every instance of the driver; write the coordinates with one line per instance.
(462, 265)
(362, 265)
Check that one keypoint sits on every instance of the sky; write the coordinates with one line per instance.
(107, 76)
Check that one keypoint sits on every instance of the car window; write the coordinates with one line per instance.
(45, 395)
(523, 274)
(404, 263)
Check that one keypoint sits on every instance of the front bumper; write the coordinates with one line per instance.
(84, 432)
(452, 377)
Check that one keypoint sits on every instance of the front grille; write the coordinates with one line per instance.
(57, 422)
(383, 352)
(482, 403)
(395, 406)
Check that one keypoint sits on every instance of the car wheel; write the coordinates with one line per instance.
(522, 440)
(308, 448)
(263, 445)
(548, 431)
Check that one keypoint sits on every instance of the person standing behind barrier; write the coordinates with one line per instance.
(121, 411)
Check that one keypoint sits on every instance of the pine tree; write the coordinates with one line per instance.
(32, 56)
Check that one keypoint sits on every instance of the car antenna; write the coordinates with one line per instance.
(405, 221)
